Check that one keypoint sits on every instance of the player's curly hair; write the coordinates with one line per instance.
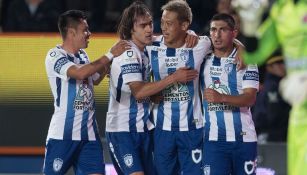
(129, 16)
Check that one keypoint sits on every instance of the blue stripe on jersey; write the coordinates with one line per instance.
(146, 115)
(133, 110)
(84, 134)
(170, 52)
(156, 43)
(58, 90)
(119, 87)
(219, 114)
(232, 84)
(70, 114)
(190, 84)
(96, 129)
(155, 67)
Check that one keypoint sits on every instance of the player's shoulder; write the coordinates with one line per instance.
(56, 53)
(130, 55)
(204, 40)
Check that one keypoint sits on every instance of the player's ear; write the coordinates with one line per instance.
(71, 31)
(235, 33)
(185, 25)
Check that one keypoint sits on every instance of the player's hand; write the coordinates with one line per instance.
(213, 96)
(293, 88)
(184, 74)
(120, 47)
(191, 39)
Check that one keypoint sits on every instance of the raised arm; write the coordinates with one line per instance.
(101, 65)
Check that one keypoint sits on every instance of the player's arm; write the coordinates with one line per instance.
(141, 90)
(81, 72)
(247, 98)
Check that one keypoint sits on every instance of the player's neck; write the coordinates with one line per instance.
(69, 47)
(140, 45)
(223, 52)
(176, 43)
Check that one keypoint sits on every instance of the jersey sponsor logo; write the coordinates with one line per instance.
(176, 92)
(145, 100)
(251, 75)
(196, 155)
(128, 159)
(215, 71)
(84, 99)
(250, 166)
(57, 164)
(171, 62)
(222, 89)
(130, 68)
(60, 63)
(206, 170)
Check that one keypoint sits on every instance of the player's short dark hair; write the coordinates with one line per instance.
(129, 17)
(226, 18)
(180, 7)
(70, 18)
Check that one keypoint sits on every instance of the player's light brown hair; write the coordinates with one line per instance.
(180, 7)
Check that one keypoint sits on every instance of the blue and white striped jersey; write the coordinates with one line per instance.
(225, 122)
(74, 105)
(125, 113)
(181, 108)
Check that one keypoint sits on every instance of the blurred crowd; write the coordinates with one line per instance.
(41, 16)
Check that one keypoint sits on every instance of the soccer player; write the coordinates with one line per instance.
(178, 117)
(73, 138)
(286, 27)
(230, 141)
(128, 124)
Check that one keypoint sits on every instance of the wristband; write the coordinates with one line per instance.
(109, 55)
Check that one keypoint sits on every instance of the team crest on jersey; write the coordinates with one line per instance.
(52, 54)
(228, 68)
(129, 53)
(196, 155)
(206, 170)
(184, 55)
(128, 159)
(249, 167)
(57, 164)
(176, 92)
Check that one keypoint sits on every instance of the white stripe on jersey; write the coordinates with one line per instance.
(225, 122)
(124, 112)
(73, 99)
(181, 108)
